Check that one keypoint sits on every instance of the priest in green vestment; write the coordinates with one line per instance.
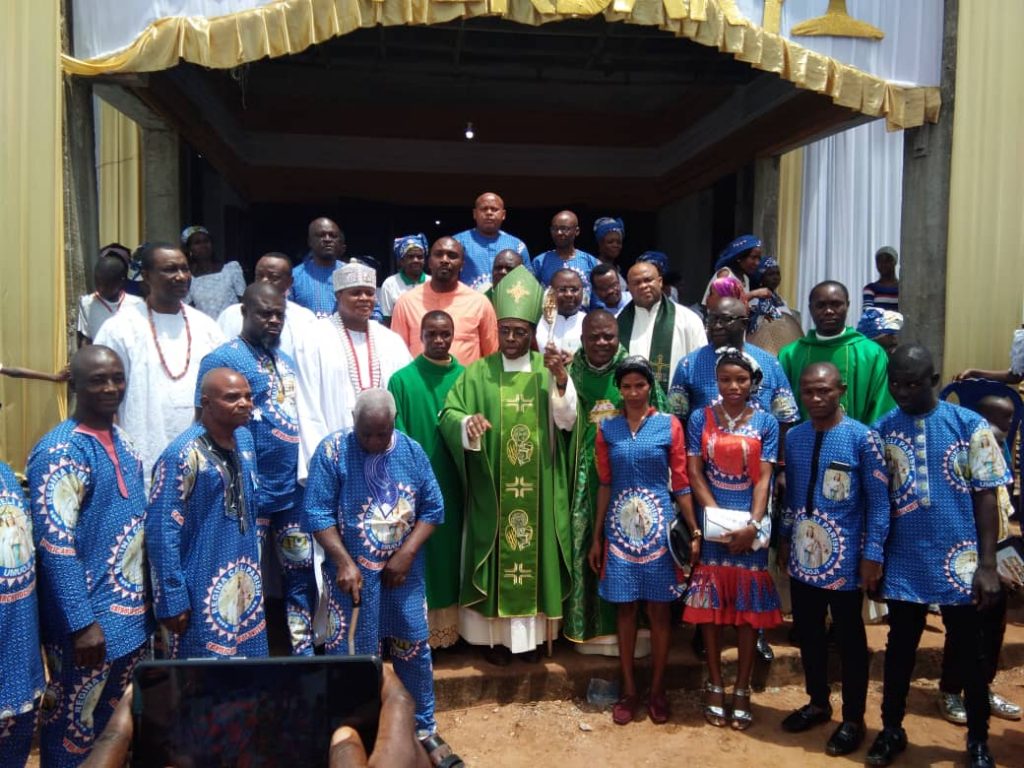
(590, 622)
(503, 421)
(862, 363)
(420, 389)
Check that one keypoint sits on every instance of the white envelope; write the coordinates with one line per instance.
(718, 522)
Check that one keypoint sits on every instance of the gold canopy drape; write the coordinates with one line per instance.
(32, 220)
(985, 269)
(289, 26)
(119, 177)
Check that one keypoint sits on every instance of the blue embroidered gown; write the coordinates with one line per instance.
(645, 471)
(275, 432)
(202, 544)
(88, 507)
(21, 662)
(376, 500)
(725, 588)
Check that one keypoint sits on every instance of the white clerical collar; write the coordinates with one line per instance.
(822, 337)
(518, 365)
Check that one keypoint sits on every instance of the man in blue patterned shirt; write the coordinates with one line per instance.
(833, 534)
(486, 240)
(201, 530)
(944, 468)
(372, 501)
(21, 664)
(312, 285)
(565, 228)
(88, 505)
(270, 372)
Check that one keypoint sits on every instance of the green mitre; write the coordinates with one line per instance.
(519, 296)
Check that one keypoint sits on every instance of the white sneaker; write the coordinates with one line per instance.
(951, 706)
(1007, 710)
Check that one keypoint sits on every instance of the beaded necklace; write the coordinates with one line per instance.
(355, 373)
(160, 352)
(112, 310)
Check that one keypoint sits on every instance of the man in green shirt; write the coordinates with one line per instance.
(420, 389)
(861, 362)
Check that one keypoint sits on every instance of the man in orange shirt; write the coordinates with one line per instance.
(476, 327)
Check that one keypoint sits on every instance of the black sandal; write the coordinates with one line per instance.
(434, 744)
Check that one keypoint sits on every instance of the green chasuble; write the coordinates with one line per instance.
(587, 616)
(861, 362)
(517, 543)
(420, 389)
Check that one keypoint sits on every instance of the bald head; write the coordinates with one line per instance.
(504, 262)
(226, 400)
(97, 375)
(489, 214)
(326, 241)
(218, 379)
(825, 371)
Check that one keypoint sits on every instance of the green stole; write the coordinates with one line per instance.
(660, 355)
(519, 492)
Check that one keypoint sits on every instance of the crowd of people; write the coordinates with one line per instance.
(493, 449)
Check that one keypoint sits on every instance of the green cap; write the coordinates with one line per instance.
(519, 296)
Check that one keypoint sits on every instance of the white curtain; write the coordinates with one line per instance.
(910, 53)
(852, 203)
(102, 27)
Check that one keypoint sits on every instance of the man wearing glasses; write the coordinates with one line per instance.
(565, 228)
(561, 325)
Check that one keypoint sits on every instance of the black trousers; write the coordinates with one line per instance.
(963, 632)
(810, 605)
(993, 628)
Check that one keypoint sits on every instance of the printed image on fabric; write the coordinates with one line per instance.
(385, 522)
(956, 464)
(636, 526)
(129, 560)
(817, 550)
(960, 564)
(294, 545)
(835, 485)
(233, 599)
(337, 625)
(63, 488)
(899, 458)
(15, 545)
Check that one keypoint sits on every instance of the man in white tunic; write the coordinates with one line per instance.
(275, 269)
(340, 356)
(161, 343)
(657, 328)
(561, 326)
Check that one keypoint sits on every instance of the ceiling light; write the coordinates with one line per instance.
(470, 133)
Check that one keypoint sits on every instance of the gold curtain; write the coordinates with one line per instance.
(119, 174)
(289, 26)
(791, 193)
(32, 220)
(985, 271)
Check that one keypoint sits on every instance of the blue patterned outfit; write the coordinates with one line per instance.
(21, 663)
(850, 516)
(726, 588)
(88, 506)
(376, 500)
(548, 263)
(694, 385)
(275, 432)
(313, 286)
(935, 462)
(637, 563)
(480, 251)
(203, 547)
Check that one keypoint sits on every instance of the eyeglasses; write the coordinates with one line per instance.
(516, 333)
(570, 289)
(724, 319)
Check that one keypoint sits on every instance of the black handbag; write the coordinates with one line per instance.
(679, 540)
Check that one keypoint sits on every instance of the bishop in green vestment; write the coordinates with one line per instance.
(862, 363)
(420, 389)
(503, 421)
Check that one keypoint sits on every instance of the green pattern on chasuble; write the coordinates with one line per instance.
(519, 494)
(420, 389)
(485, 588)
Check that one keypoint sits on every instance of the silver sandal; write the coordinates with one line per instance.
(714, 713)
(741, 718)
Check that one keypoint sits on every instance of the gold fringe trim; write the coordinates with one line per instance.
(290, 26)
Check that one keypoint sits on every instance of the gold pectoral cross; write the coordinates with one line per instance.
(659, 366)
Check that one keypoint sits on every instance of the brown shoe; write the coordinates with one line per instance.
(625, 709)
(658, 709)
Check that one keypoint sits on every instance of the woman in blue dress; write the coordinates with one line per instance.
(641, 465)
(732, 448)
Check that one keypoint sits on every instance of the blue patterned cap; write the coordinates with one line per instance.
(405, 243)
(735, 248)
(657, 258)
(607, 224)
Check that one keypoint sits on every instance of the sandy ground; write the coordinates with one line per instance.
(573, 734)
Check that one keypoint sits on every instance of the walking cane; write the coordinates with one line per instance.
(352, 627)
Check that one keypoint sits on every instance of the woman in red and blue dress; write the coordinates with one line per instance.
(641, 465)
(732, 447)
